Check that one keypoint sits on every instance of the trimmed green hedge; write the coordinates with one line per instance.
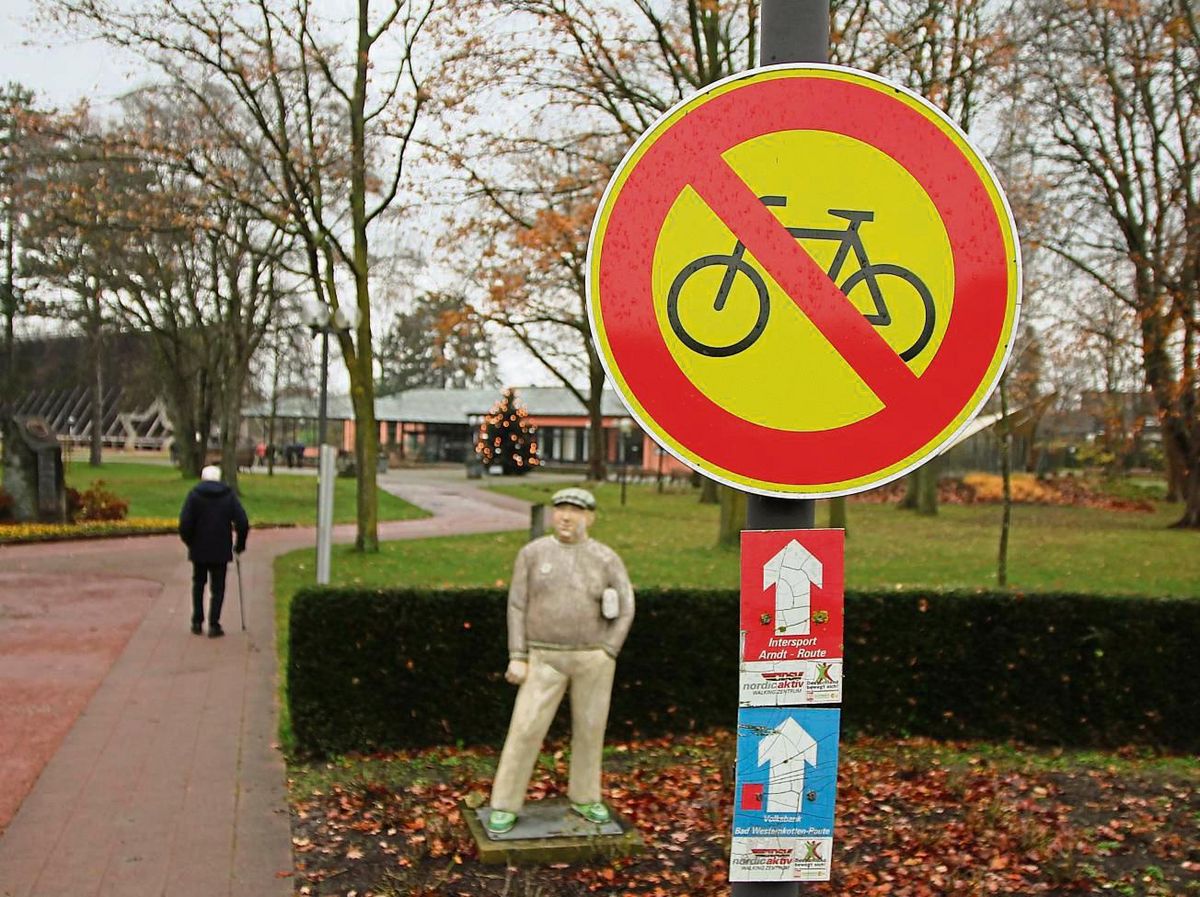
(375, 670)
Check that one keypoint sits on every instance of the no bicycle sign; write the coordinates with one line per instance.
(804, 280)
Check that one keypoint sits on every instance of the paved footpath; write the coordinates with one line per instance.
(141, 757)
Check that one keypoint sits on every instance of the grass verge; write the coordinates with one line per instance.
(668, 540)
(158, 490)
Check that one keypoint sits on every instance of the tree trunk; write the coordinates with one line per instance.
(189, 449)
(96, 411)
(1177, 414)
(9, 383)
(191, 418)
(1191, 509)
(709, 491)
(921, 490)
(8, 301)
(837, 514)
(597, 444)
(231, 413)
(1188, 452)
(366, 453)
(733, 517)
(274, 410)
(1006, 480)
(927, 488)
(360, 358)
(1175, 471)
(359, 362)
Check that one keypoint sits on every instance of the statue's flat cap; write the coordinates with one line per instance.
(580, 498)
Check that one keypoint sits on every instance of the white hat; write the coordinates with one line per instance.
(211, 474)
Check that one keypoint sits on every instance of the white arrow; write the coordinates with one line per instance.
(793, 572)
(787, 749)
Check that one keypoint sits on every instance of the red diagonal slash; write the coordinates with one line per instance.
(627, 287)
(879, 365)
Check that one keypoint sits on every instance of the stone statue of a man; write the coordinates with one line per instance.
(569, 609)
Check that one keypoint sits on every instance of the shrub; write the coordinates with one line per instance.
(54, 532)
(6, 503)
(989, 487)
(74, 504)
(375, 670)
(95, 503)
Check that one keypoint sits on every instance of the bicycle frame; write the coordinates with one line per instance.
(850, 242)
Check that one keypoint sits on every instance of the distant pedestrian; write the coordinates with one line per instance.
(211, 517)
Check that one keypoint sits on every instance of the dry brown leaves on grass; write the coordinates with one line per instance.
(910, 824)
(987, 488)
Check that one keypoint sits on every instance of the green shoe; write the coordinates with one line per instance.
(597, 812)
(501, 821)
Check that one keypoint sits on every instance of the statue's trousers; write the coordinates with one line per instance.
(589, 673)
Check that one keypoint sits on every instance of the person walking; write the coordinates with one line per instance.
(210, 517)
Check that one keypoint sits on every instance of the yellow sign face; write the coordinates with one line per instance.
(803, 281)
(791, 377)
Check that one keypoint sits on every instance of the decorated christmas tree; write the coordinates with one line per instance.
(507, 438)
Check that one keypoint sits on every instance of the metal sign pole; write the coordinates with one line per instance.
(324, 471)
(791, 31)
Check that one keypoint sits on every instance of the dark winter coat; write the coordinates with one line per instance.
(209, 514)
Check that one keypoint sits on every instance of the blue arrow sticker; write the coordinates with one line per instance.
(786, 772)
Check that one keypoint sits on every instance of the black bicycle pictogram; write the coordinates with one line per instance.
(850, 241)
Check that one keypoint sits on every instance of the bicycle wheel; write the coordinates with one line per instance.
(728, 262)
(872, 274)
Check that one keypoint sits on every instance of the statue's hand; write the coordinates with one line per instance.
(517, 671)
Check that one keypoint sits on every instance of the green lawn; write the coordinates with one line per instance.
(667, 540)
(156, 490)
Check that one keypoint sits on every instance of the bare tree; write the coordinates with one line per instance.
(956, 54)
(1117, 85)
(591, 79)
(73, 240)
(332, 108)
(19, 123)
(140, 241)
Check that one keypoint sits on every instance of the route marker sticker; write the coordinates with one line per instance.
(791, 617)
(785, 794)
(803, 281)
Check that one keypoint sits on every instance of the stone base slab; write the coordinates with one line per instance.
(549, 831)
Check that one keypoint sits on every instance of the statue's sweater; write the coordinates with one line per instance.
(554, 599)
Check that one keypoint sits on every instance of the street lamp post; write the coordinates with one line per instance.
(316, 315)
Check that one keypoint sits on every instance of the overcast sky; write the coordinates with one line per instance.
(62, 70)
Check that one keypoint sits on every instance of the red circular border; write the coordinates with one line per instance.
(624, 296)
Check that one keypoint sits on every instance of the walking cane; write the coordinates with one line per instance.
(237, 559)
